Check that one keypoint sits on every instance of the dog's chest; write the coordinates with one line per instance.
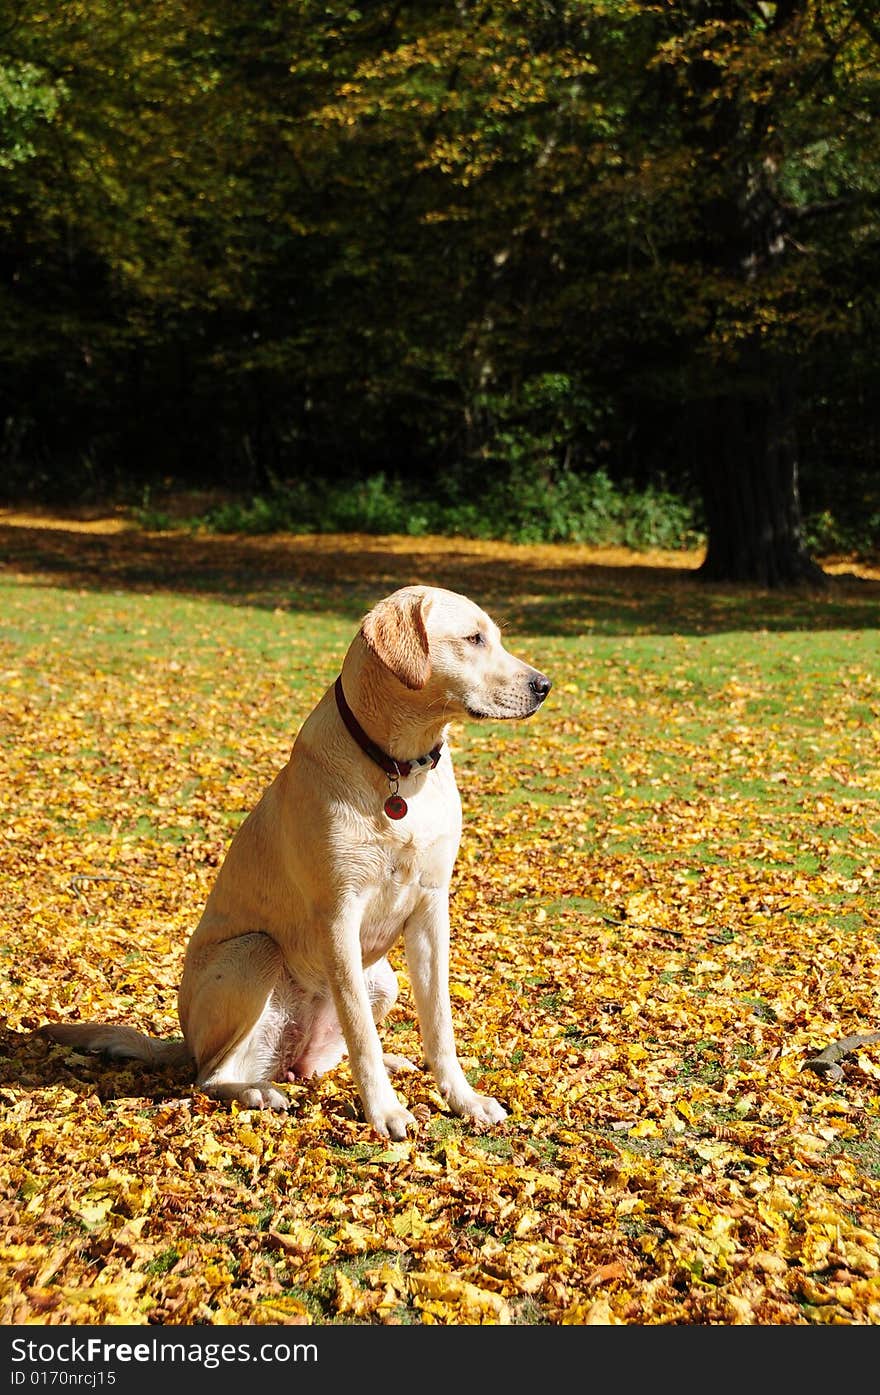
(410, 868)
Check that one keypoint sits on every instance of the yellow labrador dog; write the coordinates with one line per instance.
(351, 846)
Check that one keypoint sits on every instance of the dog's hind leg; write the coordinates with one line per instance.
(382, 987)
(230, 1021)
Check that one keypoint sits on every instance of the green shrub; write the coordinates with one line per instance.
(827, 534)
(521, 505)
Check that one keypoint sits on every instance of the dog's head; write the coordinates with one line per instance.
(441, 645)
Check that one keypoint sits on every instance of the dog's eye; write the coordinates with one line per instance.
(476, 638)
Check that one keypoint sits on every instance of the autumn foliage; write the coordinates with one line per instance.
(664, 909)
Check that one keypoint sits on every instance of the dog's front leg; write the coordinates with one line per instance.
(426, 938)
(350, 992)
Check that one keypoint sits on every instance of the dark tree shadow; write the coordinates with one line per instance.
(346, 575)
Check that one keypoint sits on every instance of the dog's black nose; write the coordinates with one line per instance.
(540, 686)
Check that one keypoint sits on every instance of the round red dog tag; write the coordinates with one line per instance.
(395, 806)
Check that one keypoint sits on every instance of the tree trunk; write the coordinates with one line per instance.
(750, 486)
(750, 469)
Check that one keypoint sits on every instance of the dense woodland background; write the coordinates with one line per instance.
(501, 260)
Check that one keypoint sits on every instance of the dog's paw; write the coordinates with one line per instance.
(397, 1063)
(392, 1122)
(263, 1096)
(482, 1109)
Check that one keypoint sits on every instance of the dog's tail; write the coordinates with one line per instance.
(120, 1043)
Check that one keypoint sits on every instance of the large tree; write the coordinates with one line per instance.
(663, 204)
(771, 106)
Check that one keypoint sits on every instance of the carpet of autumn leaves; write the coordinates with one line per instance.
(665, 905)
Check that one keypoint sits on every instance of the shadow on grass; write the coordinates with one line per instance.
(542, 590)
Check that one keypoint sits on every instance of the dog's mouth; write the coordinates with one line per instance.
(502, 714)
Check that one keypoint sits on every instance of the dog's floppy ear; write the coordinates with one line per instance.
(395, 631)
